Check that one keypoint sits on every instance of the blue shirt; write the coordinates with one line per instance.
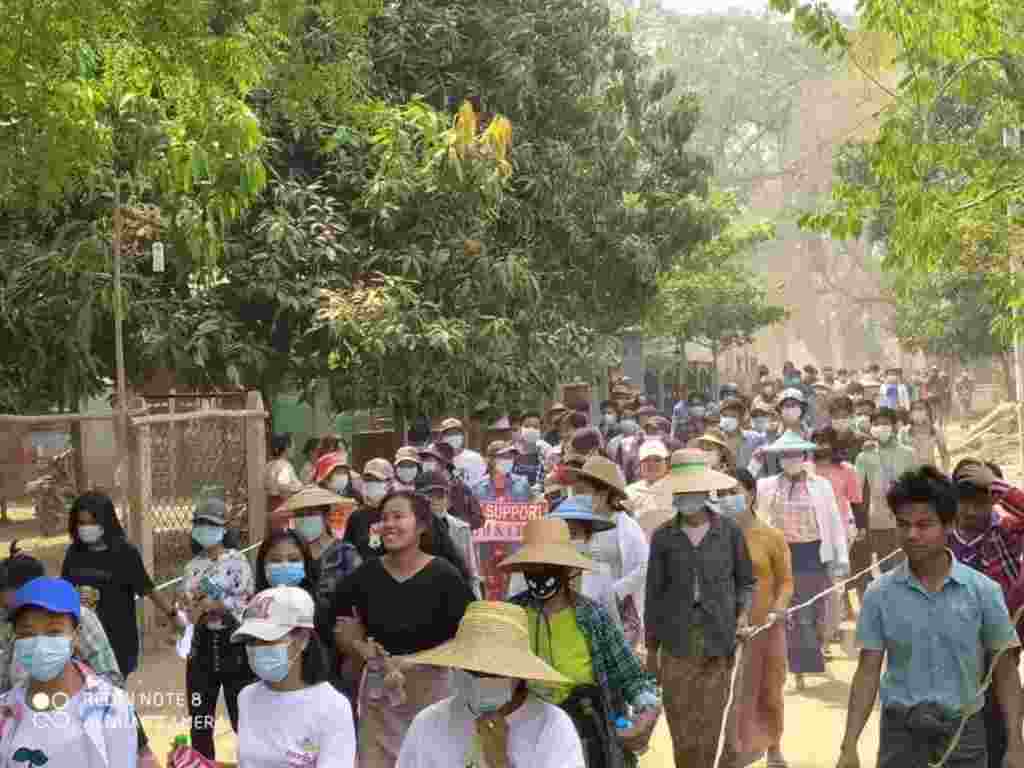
(935, 642)
(517, 488)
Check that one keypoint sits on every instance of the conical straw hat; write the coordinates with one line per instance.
(546, 542)
(493, 638)
(690, 474)
(311, 496)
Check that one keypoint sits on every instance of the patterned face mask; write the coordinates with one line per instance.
(544, 586)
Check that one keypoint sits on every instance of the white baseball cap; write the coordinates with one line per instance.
(273, 613)
(652, 449)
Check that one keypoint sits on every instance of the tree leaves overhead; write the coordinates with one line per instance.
(937, 169)
(747, 71)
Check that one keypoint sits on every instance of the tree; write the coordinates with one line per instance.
(937, 170)
(715, 300)
(606, 191)
(747, 69)
(951, 315)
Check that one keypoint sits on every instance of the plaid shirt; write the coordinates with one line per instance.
(93, 645)
(996, 552)
(616, 668)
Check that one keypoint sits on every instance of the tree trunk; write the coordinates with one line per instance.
(398, 422)
(684, 370)
(1006, 363)
(714, 371)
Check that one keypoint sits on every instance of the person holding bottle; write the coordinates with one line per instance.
(292, 715)
(64, 715)
(214, 591)
(575, 635)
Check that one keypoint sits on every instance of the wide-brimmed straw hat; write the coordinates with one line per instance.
(713, 436)
(546, 542)
(692, 475)
(581, 509)
(494, 639)
(309, 497)
(605, 472)
(790, 442)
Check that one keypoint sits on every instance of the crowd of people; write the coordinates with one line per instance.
(673, 545)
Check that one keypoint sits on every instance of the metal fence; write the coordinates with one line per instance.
(189, 458)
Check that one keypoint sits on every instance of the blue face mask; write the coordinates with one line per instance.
(309, 528)
(285, 574)
(269, 662)
(43, 657)
(731, 506)
(207, 536)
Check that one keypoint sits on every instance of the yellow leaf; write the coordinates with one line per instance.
(465, 125)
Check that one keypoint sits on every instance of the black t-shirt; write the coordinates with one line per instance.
(405, 616)
(119, 575)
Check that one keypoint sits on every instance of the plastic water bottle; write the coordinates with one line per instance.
(625, 722)
(374, 679)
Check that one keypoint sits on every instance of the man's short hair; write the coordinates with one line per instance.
(925, 485)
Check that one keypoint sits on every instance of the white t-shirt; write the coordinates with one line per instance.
(471, 467)
(540, 735)
(295, 729)
(60, 738)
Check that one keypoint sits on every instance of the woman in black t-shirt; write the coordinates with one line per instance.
(100, 556)
(400, 603)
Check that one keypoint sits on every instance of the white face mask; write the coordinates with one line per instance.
(530, 436)
(504, 466)
(376, 490)
(882, 433)
(791, 414)
(90, 534)
(430, 466)
(760, 423)
(339, 482)
(792, 465)
(456, 441)
(729, 423)
(406, 473)
(482, 695)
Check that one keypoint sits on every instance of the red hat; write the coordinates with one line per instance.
(328, 463)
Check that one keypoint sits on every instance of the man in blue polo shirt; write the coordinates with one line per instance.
(934, 620)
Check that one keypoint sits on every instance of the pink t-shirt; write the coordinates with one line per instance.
(848, 489)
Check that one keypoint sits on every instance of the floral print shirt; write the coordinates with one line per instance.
(227, 579)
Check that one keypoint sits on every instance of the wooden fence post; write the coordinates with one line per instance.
(142, 524)
(256, 459)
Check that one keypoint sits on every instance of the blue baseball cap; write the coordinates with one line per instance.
(53, 595)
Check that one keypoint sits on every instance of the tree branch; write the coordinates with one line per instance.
(1015, 184)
